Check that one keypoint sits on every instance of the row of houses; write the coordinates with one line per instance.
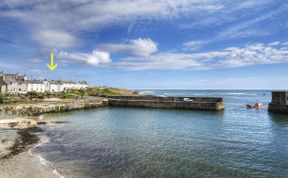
(17, 83)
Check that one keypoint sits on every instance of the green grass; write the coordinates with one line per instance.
(69, 96)
(108, 91)
(101, 91)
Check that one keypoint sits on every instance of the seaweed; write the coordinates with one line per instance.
(25, 138)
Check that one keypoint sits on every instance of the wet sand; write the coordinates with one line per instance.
(24, 165)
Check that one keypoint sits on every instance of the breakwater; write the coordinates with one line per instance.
(278, 108)
(279, 102)
(44, 107)
(189, 103)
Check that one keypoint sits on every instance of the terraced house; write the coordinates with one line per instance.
(17, 83)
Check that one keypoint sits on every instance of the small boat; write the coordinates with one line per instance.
(255, 106)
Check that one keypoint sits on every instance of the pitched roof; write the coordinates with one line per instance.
(33, 81)
(12, 77)
(2, 82)
(68, 82)
(9, 77)
(55, 82)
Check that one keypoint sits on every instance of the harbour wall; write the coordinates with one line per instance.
(49, 107)
(44, 107)
(279, 102)
(278, 108)
(195, 103)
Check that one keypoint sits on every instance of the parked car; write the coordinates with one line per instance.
(187, 100)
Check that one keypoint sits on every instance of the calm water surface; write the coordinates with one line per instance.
(134, 142)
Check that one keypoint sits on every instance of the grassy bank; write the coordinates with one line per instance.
(104, 91)
(99, 91)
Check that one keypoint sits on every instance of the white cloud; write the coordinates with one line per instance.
(67, 17)
(251, 54)
(35, 60)
(138, 47)
(55, 39)
(249, 4)
(37, 71)
(7, 65)
(166, 61)
(193, 45)
(55, 25)
(95, 58)
(250, 27)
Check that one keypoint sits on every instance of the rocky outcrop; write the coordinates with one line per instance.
(44, 107)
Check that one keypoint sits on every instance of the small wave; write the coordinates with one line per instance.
(162, 95)
(146, 92)
(56, 173)
(240, 94)
(44, 139)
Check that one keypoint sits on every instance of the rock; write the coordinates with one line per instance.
(41, 123)
(17, 123)
(45, 107)
(59, 122)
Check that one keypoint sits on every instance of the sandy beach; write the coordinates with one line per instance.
(20, 163)
(24, 165)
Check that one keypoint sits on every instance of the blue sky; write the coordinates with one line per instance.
(189, 44)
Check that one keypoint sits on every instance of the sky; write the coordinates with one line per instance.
(149, 44)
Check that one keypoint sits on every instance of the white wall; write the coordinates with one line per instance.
(42, 87)
(35, 87)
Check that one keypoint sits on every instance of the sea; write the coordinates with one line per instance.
(114, 142)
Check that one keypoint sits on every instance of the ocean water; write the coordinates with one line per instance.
(136, 142)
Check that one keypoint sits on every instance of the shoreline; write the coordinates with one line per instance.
(44, 139)
(21, 157)
(24, 165)
(17, 158)
(50, 106)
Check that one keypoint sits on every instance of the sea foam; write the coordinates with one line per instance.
(44, 139)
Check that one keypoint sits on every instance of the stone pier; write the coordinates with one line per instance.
(189, 103)
(279, 102)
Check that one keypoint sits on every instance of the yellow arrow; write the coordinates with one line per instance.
(52, 66)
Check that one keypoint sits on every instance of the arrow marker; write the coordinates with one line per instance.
(52, 66)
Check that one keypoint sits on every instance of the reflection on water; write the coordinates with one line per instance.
(135, 142)
(280, 119)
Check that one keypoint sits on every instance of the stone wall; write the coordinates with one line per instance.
(278, 108)
(49, 107)
(280, 97)
(176, 99)
(279, 102)
(197, 103)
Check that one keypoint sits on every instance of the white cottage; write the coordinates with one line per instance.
(55, 86)
(35, 86)
(16, 83)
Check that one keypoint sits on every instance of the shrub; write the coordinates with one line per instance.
(69, 96)
(82, 92)
(1, 99)
(108, 91)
